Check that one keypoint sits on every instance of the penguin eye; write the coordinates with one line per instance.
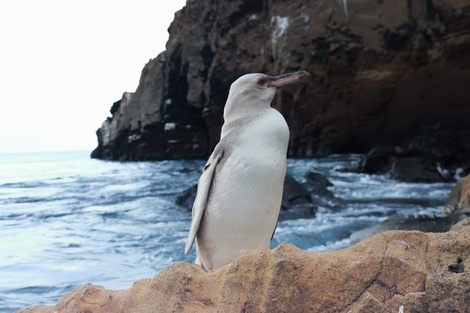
(263, 82)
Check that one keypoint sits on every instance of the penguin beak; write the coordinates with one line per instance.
(287, 79)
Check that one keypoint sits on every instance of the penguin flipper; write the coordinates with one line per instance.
(202, 196)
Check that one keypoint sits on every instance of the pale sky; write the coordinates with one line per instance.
(64, 63)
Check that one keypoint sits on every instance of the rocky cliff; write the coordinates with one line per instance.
(396, 271)
(384, 72)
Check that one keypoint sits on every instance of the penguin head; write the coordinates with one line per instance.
(252, 93)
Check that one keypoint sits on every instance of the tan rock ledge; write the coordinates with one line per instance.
(396, 271)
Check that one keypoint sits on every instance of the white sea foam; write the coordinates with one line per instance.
(170, 126)
(458, 173)
(332, 245)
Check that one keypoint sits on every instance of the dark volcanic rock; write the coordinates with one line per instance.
(415, 169)
(318, 184)
(294, 193)
(402, 165)
(438, 154)
(186, 199)
(296, 201)
(147, 125)
(390, 72)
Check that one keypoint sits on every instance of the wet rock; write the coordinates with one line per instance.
(403, 165)
(294, 193)
(427, 157)
(378, 160)
(297, 211)
(317, 184)
(186, 199)
(415, 169)
(396, 271)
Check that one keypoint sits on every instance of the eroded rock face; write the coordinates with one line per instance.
(391, 272)
(152, 123)
(388, 72)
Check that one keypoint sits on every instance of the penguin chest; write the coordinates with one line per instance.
(247, 191)
(255, 183)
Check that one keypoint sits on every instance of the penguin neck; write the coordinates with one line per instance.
(244, 106)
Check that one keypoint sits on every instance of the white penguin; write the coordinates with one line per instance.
(240, 190)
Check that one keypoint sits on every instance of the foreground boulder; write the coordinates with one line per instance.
(396, 271)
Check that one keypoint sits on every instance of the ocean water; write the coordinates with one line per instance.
(66, 220)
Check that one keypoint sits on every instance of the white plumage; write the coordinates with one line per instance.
(240, 191)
